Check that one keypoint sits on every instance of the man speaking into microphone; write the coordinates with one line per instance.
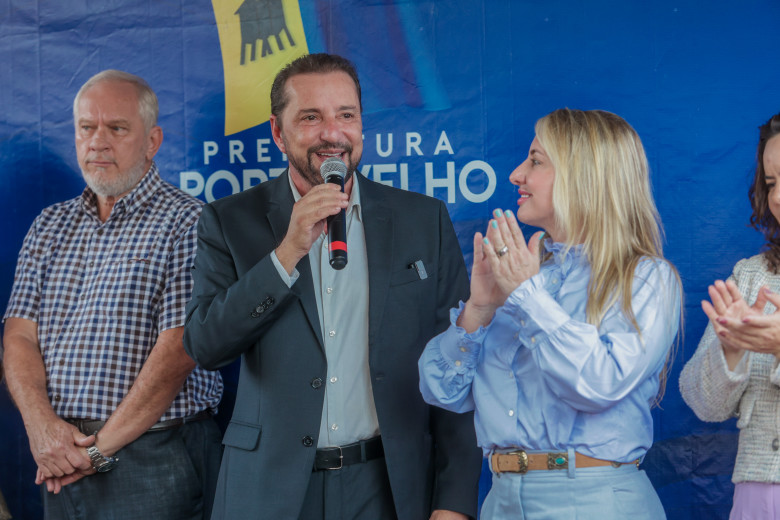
(328, 420)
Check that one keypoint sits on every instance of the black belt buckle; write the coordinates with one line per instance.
(341, 459)
(87, 426)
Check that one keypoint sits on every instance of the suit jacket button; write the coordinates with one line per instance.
(316, 383)
(259, 309)
(308, 441)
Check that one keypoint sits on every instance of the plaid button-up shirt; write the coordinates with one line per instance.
(101, 292)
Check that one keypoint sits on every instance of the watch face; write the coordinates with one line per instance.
(107, 464)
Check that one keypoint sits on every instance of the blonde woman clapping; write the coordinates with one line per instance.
(562, 347)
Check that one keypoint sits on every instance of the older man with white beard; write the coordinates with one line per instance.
(118, 416)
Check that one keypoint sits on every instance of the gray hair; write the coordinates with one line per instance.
(148, 107)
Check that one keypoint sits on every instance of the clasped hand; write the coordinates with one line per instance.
(502, 261)
(59, 449)
(740, 326)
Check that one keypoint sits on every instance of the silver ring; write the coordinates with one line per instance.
(501, 252)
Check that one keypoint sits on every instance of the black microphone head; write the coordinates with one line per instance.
(333, 166)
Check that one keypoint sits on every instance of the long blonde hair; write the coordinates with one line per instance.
(602, 199)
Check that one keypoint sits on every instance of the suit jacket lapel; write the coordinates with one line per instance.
(280, 208)
(378, 228)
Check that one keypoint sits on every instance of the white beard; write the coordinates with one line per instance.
(118, 185)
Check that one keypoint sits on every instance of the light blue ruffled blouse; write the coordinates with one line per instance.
(540, 377)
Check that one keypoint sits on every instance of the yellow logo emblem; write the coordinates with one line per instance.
(258, 38)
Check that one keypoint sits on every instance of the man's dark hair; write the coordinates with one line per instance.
(309, 64)
(762, 219)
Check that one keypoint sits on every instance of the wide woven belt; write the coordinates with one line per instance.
(521, 461)
(340, 456)
(88, 427)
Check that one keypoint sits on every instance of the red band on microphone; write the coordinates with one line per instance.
(342, 246)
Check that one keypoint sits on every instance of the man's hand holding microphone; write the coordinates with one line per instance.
(322, 204)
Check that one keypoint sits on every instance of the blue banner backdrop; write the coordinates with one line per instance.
(452, 90)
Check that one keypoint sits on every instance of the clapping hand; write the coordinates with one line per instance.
(742, 327)
(502, 261)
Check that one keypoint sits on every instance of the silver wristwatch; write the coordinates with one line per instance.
(99, 462)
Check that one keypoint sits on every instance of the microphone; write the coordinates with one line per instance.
(333, 170)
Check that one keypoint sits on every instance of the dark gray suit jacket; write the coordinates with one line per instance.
(241, 307)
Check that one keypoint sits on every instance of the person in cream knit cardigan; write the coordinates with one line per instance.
(735, 371)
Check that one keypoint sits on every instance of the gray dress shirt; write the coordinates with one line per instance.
(349, 413)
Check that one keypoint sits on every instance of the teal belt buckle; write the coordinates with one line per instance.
(558, 460)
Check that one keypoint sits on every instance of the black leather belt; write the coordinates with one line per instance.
(88, 427)
(340, 456)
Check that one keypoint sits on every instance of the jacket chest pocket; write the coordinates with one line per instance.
(407, 295)
(419, 271)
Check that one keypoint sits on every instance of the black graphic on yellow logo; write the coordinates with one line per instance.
(260, 20)
(248, 79)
